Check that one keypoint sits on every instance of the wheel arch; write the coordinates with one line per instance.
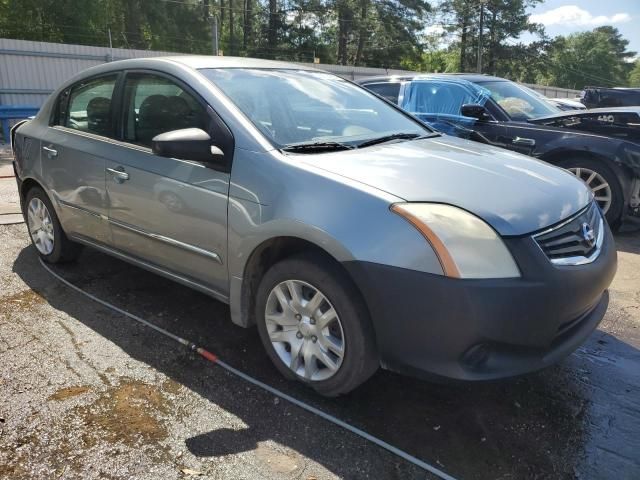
(261, 258)
(26, 185)
(621, 171)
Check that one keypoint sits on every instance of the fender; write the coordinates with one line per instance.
(248, 246)
(620, 152)
(623, 161)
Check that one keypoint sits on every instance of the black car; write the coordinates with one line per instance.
(600, 146)
(600, 97)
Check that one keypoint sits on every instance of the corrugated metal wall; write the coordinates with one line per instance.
(29, 71)
(554, 92)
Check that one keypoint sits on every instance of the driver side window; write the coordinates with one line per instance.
(155, 105)
(436, 98)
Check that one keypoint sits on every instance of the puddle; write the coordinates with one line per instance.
(24, 299)
(127, 413)
(69, 392)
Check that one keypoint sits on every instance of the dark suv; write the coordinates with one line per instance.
(600, 146)
(598, 97)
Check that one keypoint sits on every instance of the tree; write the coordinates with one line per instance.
(435, 61)
(599, 57)
(504, 21)
(354, 32)
(459, 15)
(634, 76)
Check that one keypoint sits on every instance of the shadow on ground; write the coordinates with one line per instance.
(628, 239)
(560, 423)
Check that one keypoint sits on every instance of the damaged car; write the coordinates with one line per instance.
(599, 146)
(352, 235)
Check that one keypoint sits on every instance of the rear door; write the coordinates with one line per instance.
(74, 152)
(167, 212)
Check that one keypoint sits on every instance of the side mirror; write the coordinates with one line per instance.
(187, 144)
(474, 110)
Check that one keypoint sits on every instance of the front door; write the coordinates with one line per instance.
(439, 103)
(526, 138)
(167, 212)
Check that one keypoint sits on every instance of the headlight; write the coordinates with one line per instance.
(465, 245)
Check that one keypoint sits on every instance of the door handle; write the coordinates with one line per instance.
(528, 142)
(51, 152)
(118, 173)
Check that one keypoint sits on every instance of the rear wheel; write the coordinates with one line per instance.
(314, 325)
(604, 184)
(45, 230)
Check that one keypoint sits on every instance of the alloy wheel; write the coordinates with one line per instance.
(40, 226)
(598, 185)
(305, 330)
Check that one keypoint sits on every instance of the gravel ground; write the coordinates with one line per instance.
(9, 204)
(76, 404)
(86, 393)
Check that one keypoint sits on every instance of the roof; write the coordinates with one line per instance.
(171, 63)
(632, 89)
(210, 61)
(470, 77)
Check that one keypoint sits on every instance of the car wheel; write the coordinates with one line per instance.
(604, 184)
(45, 230)
(314, 325)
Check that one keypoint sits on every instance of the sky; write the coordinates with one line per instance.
(562, 17)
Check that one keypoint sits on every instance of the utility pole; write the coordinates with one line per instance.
(482, 4)
(110, 46)
(208, 16)
(214, 34)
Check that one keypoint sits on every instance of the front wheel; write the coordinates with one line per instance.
(315, 326)
(604, 184)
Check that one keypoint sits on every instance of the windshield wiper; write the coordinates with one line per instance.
(397, 136)
(316, 147)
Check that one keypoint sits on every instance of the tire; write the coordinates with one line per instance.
(351, 329)
(585, 166)
(61, 249)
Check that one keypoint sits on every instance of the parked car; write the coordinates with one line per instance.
(599, 97)
(600, 146)
(352, 234)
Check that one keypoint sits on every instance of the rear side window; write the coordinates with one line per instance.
(89, 106)
(155, 104)
(390, 91)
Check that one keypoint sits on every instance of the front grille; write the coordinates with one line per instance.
(575, 241)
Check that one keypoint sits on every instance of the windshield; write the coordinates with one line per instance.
(293, 107)
(519, 102)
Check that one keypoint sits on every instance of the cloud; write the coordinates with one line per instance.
(572, 15)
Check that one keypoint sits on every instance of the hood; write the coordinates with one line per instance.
(515, 194)
(619, 122)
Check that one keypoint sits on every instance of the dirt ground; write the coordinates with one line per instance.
(85, 393)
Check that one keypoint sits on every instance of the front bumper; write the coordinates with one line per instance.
(485, 329)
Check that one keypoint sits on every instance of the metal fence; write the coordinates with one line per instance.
(29, 71)
(554, 92)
